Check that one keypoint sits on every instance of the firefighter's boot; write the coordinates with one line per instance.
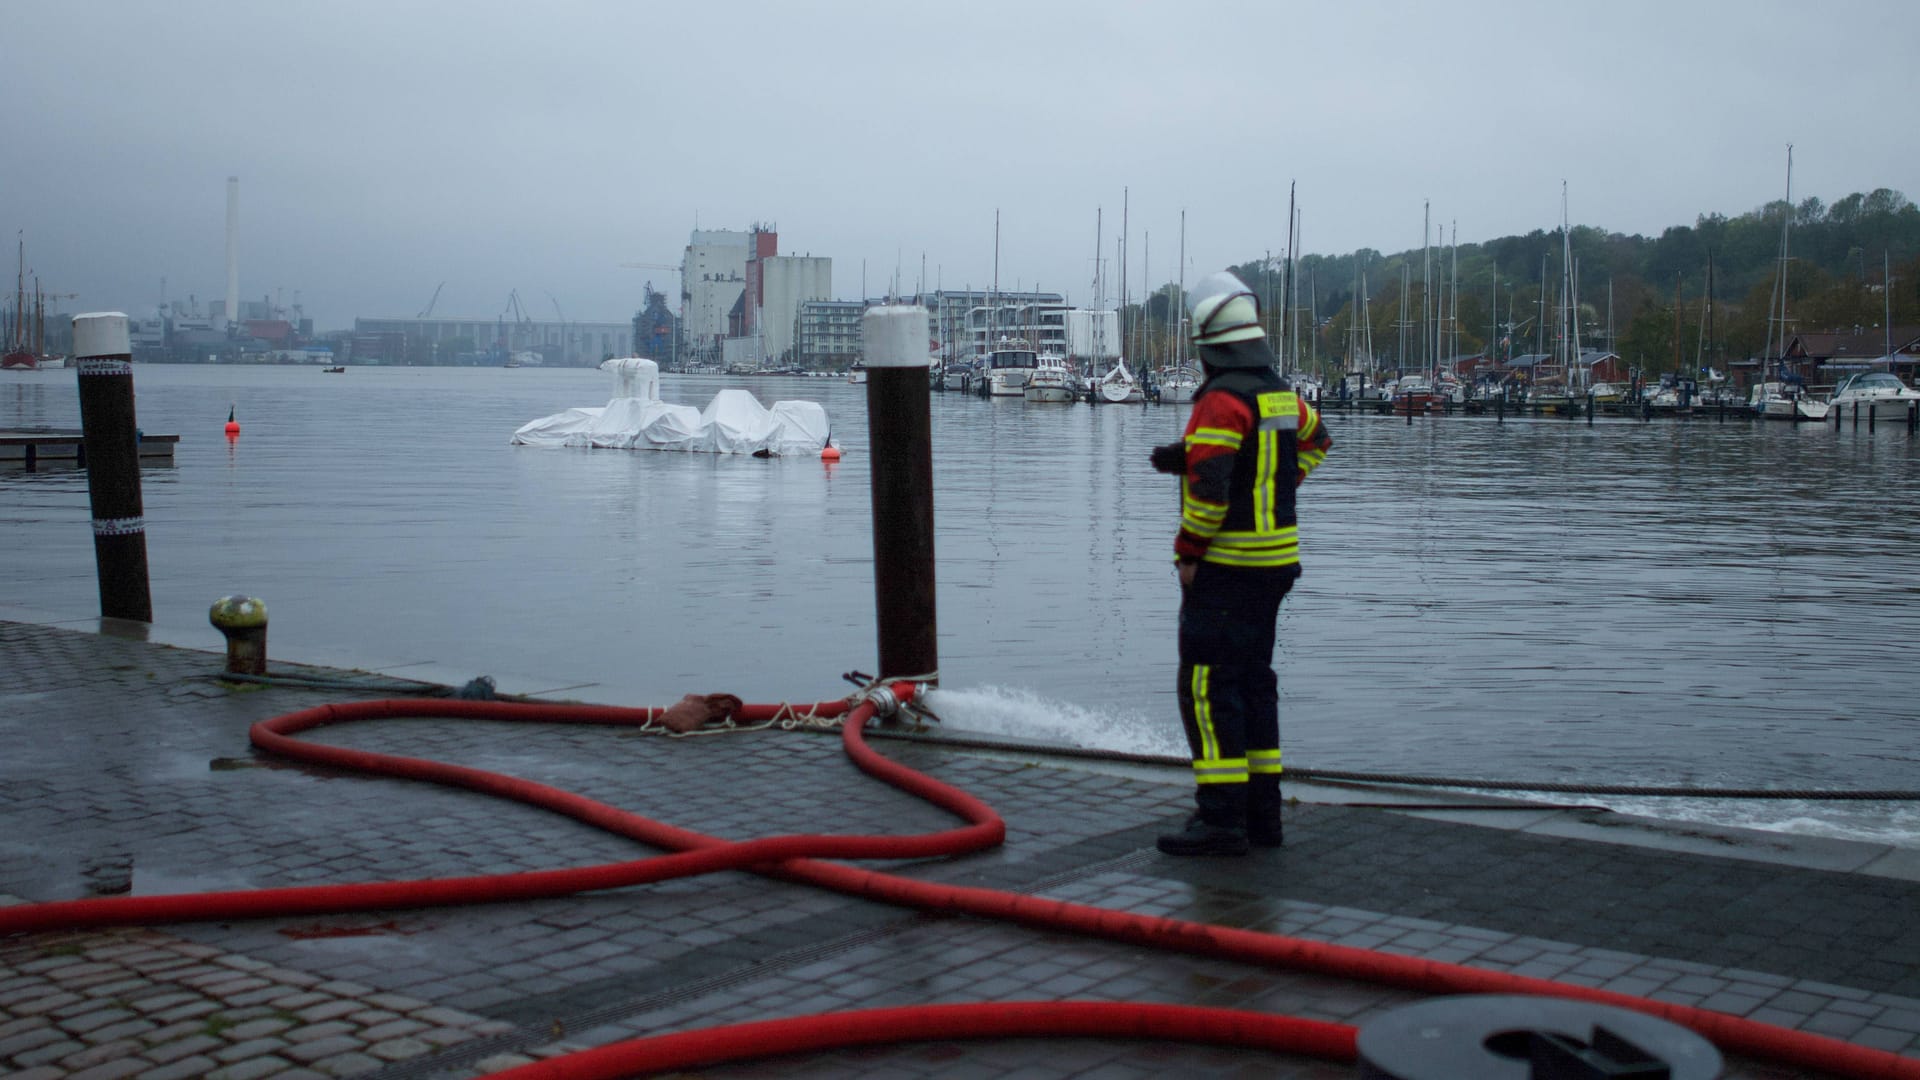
(1263, 810)
(1219, 828)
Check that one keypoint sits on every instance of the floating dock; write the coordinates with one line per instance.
(31, 447)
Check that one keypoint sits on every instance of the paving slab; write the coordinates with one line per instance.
(127, 772)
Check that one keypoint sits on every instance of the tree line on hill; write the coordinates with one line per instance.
(1650, 292)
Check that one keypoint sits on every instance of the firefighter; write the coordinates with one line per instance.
(1250, 441)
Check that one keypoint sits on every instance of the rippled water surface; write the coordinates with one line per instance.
(1704, 603)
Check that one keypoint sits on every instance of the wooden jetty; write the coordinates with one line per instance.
(31, 447)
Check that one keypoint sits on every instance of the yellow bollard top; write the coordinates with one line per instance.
(238, 613)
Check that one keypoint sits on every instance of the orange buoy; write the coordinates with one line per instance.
(233, 426)
(830, 453)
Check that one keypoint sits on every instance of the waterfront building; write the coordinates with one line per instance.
(1828, 357)
(713, 278)
(951, 318)
(827, 336)
(785, 283)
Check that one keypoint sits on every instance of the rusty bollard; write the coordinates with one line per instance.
(243, 619)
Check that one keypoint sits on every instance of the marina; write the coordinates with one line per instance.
(1614, 601)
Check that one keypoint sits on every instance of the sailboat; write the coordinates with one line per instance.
(1784, 398)
(22, 350)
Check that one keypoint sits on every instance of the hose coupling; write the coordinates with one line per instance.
(886, 704)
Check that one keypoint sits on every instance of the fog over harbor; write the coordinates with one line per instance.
(384, 150)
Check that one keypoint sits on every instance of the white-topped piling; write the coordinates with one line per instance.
(103, 361)
(899, 425)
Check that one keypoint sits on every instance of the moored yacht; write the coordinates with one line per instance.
(1177, 384)
(1784, 401)
(1879, 391)
(1009, 365)
(1050, 380)
(1118, 387)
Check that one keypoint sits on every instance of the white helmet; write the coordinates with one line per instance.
(1223, 310)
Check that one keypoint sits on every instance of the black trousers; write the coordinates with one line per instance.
(1229, 695)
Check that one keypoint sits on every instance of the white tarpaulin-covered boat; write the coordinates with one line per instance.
(734, 422)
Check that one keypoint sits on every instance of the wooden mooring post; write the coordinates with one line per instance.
(103, 358)
(899, 427)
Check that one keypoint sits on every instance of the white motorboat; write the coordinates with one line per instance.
(1876, 394)
(857, 374)
(1009, 365)
(1050, 380)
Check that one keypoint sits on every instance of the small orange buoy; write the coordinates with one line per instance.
(233, 426)
(830, 453)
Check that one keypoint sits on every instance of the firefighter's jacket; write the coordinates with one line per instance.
(1250, 441)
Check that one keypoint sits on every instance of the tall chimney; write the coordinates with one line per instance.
(233, 251)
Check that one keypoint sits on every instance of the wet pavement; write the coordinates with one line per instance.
(126, 770)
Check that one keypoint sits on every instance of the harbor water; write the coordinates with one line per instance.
(1728, 604)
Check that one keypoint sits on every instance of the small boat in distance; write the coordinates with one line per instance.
(1177, 384)
(857, 374)
(333, 371)
(1118, 387)
(1051, 381)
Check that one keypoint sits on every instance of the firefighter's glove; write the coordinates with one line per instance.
(1171, 458)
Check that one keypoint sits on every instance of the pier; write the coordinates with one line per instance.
(30, 449)
(135, 776)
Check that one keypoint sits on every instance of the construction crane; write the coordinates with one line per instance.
(430, 303)
(675, 267)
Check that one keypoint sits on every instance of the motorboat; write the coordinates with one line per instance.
(857, 374)
(1606, 393)
(1009, 365)
(1050, 380)
(1877, 394)
(1415, 393)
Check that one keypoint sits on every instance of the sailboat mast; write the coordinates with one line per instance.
(1453, 291)
(1779, 303)
(1286, 283)
(1426, 286)
(1710, 333)
(20, 297)
(1406, 277)
(1540, 321)
(1180, 335)
(1886, 302)
(1293, 330)
(1569, 328)
(1125, 236)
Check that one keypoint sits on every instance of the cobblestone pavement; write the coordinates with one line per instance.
(126, 770)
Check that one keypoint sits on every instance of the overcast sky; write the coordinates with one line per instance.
(385, 146)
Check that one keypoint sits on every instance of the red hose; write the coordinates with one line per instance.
(796, 857)
(1011, 1019)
